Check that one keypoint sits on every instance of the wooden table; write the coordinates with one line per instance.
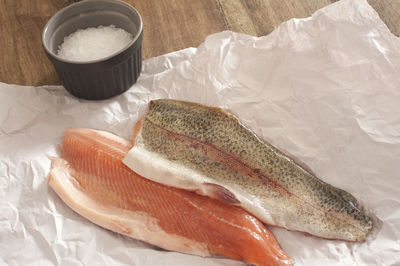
(169, 25)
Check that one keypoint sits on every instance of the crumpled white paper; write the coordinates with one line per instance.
(326, 89)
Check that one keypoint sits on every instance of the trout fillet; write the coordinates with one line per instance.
(92, 180)
(207, 150)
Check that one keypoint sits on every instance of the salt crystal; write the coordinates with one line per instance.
(93, 43)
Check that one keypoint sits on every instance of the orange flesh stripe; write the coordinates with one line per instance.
(136, 128)
(94, 166)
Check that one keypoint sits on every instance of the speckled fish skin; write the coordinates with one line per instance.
(210, 151)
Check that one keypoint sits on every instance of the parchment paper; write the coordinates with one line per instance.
(326, 89)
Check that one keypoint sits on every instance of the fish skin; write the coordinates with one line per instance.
(193, 146)
(91, 178)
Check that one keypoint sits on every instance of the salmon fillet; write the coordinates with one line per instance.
(91, 178)
(208, 150)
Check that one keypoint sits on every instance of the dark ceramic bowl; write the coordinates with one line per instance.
(103, 78)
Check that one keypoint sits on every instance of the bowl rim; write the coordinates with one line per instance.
(103, 59)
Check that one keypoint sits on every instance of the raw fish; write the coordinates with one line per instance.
(92, 179)
(209, 151)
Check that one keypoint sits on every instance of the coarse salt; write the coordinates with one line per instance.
(93, 43)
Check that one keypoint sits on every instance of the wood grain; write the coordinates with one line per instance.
(173, 25)
(22, 58)
(259, 17)
(169, 25)
(389, 12)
